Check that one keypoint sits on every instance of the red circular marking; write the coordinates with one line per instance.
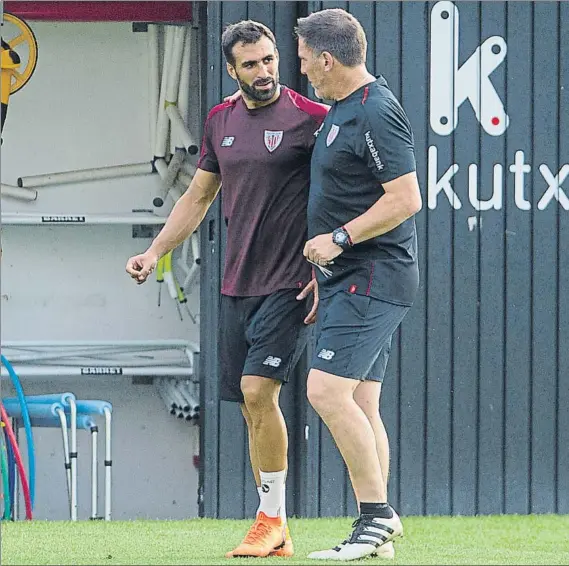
(495, 121)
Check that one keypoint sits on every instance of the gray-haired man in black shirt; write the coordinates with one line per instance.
(363, 195)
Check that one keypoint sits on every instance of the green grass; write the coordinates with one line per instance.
(537, 539)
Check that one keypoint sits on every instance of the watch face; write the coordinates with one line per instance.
(341, 238)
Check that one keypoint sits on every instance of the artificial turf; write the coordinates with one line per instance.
(508, 539)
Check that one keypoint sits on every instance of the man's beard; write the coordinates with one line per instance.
(256, 94)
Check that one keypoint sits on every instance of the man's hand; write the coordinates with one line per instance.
(312, 287)
(233, 97)
(321, 249)
(139, 267)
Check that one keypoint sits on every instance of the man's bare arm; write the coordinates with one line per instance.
(402, 199)
(187, 213)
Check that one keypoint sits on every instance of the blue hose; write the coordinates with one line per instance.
(93, 407)
(27, 425)
(11, 470)
(35, 410)
(62, 398)
(84, 422)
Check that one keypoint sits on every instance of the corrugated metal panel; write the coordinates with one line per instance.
(476, 402)
(228, 486)
(478, 387)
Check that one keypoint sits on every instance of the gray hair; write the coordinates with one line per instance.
(246, 32)
(335, 31)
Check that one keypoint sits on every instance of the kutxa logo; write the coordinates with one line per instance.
(450, 86)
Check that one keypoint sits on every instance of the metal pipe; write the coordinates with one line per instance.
(153, 77)
(173, 79)
(94, 472)
(166, 344)
(85, 353)
(181, 130)
(98, 362)
(168, 401)
(73, 457)
(174, 393)
(63, 420)
(18, 192)
(173, 82)
(81, 175)
(185, 405)
(33, 219)
(108, 463)
(65, 371)
(184, 87)
(162, 123)
(192, 404)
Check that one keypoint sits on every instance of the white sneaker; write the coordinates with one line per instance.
(370, 537)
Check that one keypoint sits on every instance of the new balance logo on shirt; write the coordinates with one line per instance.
(227, 141)
(272, 361)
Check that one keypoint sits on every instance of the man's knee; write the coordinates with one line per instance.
(260, 393)
(326, 392)
(367, 396)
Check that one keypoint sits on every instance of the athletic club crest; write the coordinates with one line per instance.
(332, 135)
(273, 139)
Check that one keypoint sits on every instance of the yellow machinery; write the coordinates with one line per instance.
(18, 58)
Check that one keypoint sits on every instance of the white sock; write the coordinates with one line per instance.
(271, 493)
(260, 494)
(283, 505)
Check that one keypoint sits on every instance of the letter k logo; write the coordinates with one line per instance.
(451, 85)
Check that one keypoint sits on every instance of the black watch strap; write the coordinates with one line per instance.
(341, 237)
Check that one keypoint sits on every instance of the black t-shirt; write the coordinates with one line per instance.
(263, 157)
(365, 140)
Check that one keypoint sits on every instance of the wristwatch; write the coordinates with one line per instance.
(341, 237)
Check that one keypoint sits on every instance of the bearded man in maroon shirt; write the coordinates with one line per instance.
(258, 147)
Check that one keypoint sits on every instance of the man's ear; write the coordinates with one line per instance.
(231, 71)
(328, 61)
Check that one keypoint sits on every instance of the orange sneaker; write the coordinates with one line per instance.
(265, 535)
(287, 550)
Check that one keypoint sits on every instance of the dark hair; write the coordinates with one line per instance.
(246, 31)
(335, 31)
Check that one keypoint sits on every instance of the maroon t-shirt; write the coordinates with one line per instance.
(263, 157)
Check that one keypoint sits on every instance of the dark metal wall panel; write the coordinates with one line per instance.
(439, 252)
(407, 52)
(490, 295)
(544, 261)
(563, 282)
(517, 337)
(210, 287)
(228, 485)
(475, 400)
(464, 281)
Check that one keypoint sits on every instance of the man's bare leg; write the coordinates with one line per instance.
(334, 399)
(367, 396)
(252, 445)
(268, 447)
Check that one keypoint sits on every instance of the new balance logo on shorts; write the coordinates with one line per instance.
(326, 354)
(272, 361)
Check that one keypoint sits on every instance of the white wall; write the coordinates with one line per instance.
(87, 106)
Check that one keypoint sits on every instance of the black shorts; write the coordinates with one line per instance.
(262, 336)
(353, 335)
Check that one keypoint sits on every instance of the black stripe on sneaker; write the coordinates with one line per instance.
(373, 535)
(383, 527)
